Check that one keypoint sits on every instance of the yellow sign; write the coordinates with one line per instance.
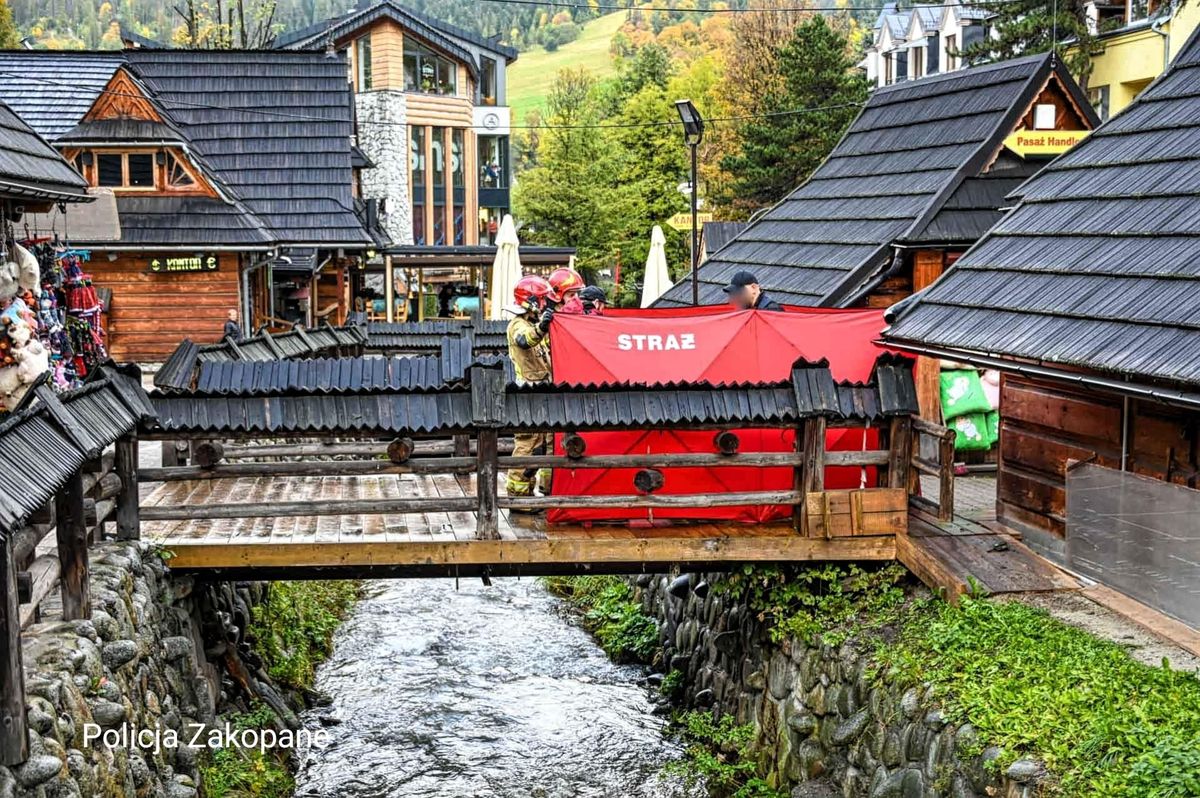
(1044, 142)
(188, 263)
(683, 221)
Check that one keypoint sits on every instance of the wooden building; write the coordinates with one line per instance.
(1087, 297)
(221, 163)
(919, 176)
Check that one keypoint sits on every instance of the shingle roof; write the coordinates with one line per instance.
(52, 91)
(1099, 265)
(276, 128)
(718, 234)
(373, 396)
(100, 131)
(912, 145)
(270, 129)
(437, 31)
(31, 168)
(49, 439)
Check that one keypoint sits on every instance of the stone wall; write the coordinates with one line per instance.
(826, 725)
(139, 663)
(383, 137)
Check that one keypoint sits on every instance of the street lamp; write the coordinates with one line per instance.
(693, 131)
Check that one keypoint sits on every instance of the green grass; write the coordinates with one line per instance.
(720, 754)
(293, 629)
(233, 772)
(529, 78)
(1106, 725)
(610, 613)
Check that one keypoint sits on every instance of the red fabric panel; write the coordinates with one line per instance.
(717, 345)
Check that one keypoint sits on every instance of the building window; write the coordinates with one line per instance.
(918, 62)
(901, 65)
(362, 60)
(416, 162)
(489, 224)
(933, 60)
(178, 177)
(951, 52)
(889, 69)
(110, 169)
(1098, 95)
(140, 169)
(488, 86)
(437, 151)
(426, 71)
(493, 161)
(124, 170)
(458, 176)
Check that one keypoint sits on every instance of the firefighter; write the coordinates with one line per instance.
(566, 284)
(529, 350)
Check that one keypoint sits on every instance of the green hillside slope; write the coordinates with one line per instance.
(530, 77)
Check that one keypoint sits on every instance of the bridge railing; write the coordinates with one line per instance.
(470, 418)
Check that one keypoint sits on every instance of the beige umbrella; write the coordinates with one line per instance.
(657, 280)
(506, 269)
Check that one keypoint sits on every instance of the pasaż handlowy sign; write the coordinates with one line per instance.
(184, 263)
(715, 345)
(1043, 142)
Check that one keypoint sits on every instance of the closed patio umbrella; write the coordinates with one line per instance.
(506, 269)
(657, 279)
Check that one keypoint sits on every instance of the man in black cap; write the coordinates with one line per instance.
(745, 293)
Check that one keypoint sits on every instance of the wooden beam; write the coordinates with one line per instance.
(126, 466)
(946, 477)
(697, 459)
(487, 512)
(44, 573)
(311, 468)
(73, 550)
(362, 449)
(659, 500)
(297, 509)
(810, 475)
(565, 551)
(14, 735)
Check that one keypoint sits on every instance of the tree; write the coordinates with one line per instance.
(801, 119)
(565, 198)
(245, 24)
(1023, 27)
(10, 38)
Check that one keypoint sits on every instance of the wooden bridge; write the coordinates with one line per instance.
(371, 466)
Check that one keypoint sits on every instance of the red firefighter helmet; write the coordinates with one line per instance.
(531, 292)
(564, 280)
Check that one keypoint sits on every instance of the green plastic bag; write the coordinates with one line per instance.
(962, 393)
(993, 426)
(971, 432)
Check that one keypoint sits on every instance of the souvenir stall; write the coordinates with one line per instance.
(51, 318)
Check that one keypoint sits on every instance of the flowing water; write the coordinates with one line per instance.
(480, 692)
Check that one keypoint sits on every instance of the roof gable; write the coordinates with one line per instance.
(907, 152)
(1098, 267)
(52, 90)
(123, 97)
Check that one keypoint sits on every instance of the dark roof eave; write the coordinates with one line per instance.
(11, 189)
(1132, 384)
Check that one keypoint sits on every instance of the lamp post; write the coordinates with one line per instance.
(693, 131)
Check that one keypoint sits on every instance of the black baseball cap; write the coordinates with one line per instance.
(739, 281)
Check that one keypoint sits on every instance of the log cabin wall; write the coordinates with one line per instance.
(1043, 425)
(152, 312)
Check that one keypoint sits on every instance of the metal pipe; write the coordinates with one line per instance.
(1156, 26)
(1125, 433)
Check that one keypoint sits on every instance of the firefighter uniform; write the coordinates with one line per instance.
(529, 349)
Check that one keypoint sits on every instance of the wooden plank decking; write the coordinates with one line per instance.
(438, 543)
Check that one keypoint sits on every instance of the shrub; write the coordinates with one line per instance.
(610, 612)
(293, 628)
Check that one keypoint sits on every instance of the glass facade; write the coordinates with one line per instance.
(416, 161)
(493, 161)
(458, 167)
(362, 58)
(440, 173)
(488, 83)
(426, 71)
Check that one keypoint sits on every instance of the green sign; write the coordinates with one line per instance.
(184, 263)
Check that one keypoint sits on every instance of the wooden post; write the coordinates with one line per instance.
(810, 477)
(487, 413)
(946, 475)
(389, 288)
(462, 445)
(72, 549)
(129, 526)
(486, 489)
(14, 737)
(899, 451)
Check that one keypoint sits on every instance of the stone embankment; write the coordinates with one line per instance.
(113, 701)
(826, 724)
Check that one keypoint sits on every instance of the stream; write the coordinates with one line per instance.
(480, 692)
